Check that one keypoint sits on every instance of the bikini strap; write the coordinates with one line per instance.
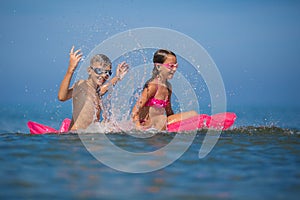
(167, 99)
(156, 86)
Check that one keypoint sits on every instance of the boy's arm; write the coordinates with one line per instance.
(106, 86)
(65, 92)
(121, 71)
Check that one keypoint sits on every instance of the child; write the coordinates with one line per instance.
(87, 93)
(153, 108)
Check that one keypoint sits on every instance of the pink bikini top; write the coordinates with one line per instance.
(158, 103)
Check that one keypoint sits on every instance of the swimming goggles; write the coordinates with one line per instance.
(99, 71)
(168, 65)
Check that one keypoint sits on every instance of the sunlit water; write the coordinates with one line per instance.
(258, 159)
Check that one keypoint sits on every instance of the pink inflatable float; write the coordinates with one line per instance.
(220, 121)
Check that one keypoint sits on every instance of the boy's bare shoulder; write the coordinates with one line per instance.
(80, 83)
(80, 88)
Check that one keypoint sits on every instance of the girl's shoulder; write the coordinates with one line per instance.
(151, 84)
(150, 88)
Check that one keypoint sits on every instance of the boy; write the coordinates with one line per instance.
(87, 93)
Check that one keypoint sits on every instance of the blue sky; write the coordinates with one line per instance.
(255, 44)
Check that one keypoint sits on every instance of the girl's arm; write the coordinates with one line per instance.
(147, 93)
(169, 110)
(65, 92)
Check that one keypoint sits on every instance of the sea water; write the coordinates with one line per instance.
(258, 158)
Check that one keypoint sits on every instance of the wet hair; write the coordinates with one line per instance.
(159, 57)
(102, 59)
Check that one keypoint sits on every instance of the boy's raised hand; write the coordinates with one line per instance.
(122, 70)
(75, 57)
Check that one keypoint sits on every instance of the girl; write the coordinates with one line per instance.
(153, 108)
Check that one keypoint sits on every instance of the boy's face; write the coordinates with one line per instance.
(99, 74)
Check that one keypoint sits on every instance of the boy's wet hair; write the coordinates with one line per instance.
(102, 59)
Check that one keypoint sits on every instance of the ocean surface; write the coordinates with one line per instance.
(258, 158)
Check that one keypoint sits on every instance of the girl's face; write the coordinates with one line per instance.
(169, 67)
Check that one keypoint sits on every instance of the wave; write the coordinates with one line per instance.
(251, 130)
(263, 130)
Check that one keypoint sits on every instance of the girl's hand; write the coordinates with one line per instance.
(122, 70)
(75, 57)
(141, 126)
